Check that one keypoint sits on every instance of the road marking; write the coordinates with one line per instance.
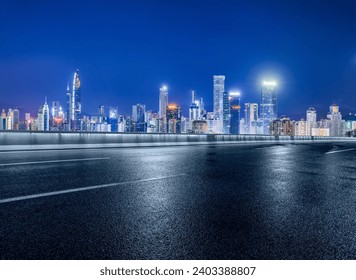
(339, 151)
(33, 196)
(51, 161)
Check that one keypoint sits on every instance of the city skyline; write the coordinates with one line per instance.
(312, 58)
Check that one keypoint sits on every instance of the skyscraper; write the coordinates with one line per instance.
(162, 113)
(43, 117)
(16, 119)
(3, 120)
(76, 102)
(268, 104)
(251, 116)
(226, 113)
(311, 121)
(235, 109)
(68, 116)
(138, 117)
(219, 88)
(173, 119)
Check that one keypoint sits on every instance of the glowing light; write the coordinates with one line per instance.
(235, 93)
(165, 88)
(270, 83)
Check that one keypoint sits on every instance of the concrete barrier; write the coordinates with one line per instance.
(28, 140)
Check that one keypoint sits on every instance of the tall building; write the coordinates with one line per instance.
(138, 118)
(101, 114)
(219, 88)
(268, 108)
(10, 120)
(235, 109)
(162, 113)
(76, 103)
(336, 122)
(16, 113)
(28, 121)
(226, 113)
(68, 115)
(173, 119)
(3, 120)
(43, 117)
(311, 121)
(251, 116)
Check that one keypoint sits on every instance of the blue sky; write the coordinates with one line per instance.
(126, 50)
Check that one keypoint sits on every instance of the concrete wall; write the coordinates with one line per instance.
(10, 140)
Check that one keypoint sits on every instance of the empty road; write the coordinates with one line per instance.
(190, 202)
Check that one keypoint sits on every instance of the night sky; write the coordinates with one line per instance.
(126, 50)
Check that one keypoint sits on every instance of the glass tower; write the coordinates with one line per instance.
(268, 107)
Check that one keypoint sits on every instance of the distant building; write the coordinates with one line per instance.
(251, 116)
(219, 88)
(16, 113)
(43, 117)
(10, 120)
(226, 113)
(162, 113)
(235, 109)
(173, 119)
(336, 122)
(301, 128)
(282, 126)
(138, 118)
(311, 121)
(3, 121)
(200, 127)
(268, 106)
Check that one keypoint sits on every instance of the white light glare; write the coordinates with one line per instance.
(235, 93)
(269, 83)
(164, 88)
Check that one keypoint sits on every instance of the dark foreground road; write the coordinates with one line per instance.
(193, 202)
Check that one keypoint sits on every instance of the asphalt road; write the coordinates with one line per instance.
(192, 202)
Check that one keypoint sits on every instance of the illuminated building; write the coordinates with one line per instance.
(138, 118)
(43, 117)
(282, 126)
(68, 112)
(162, 113)
(3, 120)
(200, 127)
(16, 113)
(121, 124)
(113, 118)
(101, 114)
(28, 121)
(219, 88)
(235, 108)
(268, 108)
(173, 119)
(251, 116)
(301, 128)
(226, 113)
(336, 122)
(10, 120)
(76, 103)
(311, 120)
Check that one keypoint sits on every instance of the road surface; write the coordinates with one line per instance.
(233, 201)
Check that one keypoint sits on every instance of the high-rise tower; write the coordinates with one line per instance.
(235, 109)
(311, 121)
(76, 102)
(68, 116)
(219, 88)
(162, 114)
(268, 104)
